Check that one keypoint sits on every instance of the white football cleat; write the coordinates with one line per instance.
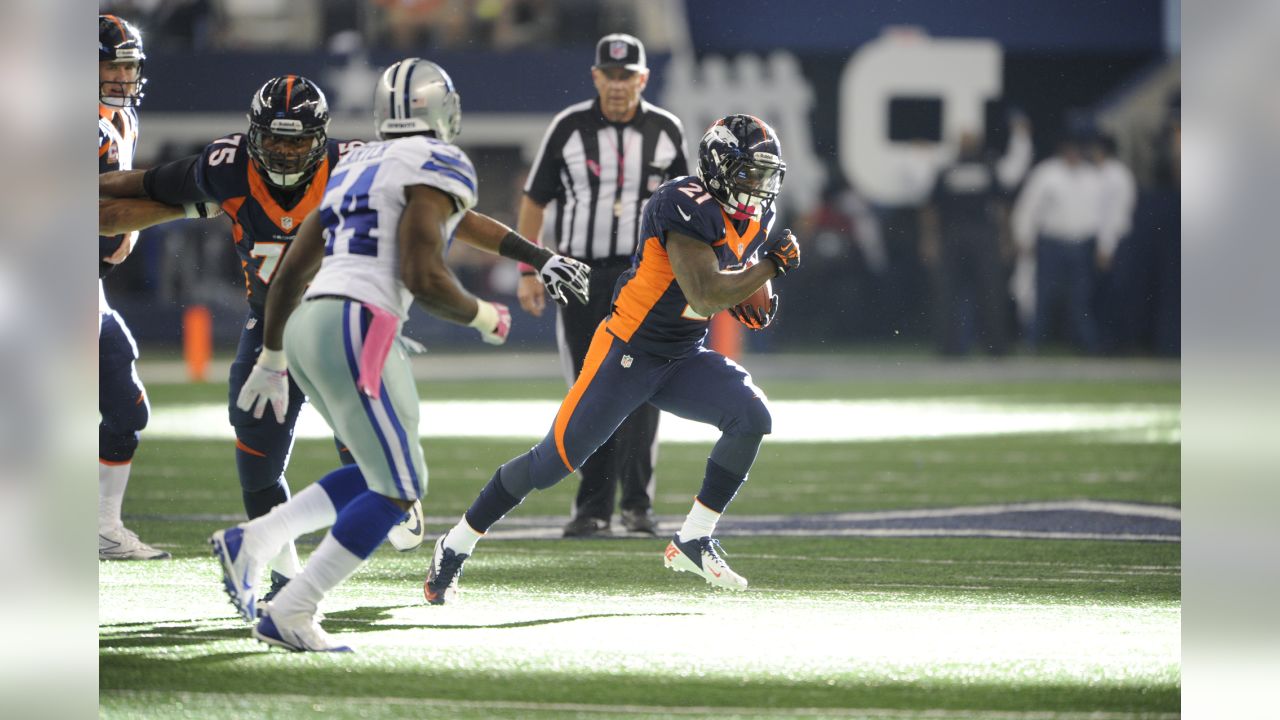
(298, 633)
(121, 543)
(409, 534)
(239, 570)
(702, 556)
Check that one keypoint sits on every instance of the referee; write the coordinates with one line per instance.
(599, 162)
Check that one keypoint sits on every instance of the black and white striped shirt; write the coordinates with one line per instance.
(599, 175)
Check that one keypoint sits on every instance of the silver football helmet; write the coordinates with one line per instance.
(413, 96)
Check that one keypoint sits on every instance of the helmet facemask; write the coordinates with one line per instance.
(286, 168)
(746, 183)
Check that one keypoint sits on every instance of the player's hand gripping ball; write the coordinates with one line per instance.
(758, 310)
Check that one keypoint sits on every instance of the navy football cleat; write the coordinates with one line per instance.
(441, 585)
(702, 557)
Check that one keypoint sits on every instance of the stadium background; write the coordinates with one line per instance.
(1068, 66)
(878, 616)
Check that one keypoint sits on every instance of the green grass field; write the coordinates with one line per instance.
(847, 627)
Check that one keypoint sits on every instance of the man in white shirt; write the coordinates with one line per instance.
(1119, 192)
(1118, 196)
(1056, 223)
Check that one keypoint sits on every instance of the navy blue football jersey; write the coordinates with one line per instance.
(650, 310)
(117, 142)
(262, 223)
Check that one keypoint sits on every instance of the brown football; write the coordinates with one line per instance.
(760, 298)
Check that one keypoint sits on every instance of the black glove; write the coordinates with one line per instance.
(785, 254)
(750, 316)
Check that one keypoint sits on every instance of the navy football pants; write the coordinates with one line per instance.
(624, 462)
(262, 445)
(122, 401)
(615, 380)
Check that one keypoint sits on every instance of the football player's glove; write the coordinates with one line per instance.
(493, 320)
(268, 384)
(562, 275)
(750, 315)
(785, 253)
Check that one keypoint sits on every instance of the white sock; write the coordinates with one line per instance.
(112, 480)
(461, 538)
(286, 561)
(327, 567)
(700, 522)
(305, 512)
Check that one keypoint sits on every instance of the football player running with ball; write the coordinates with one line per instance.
(705, 247)
(376, 243)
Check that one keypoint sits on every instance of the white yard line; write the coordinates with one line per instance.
(678, 710)
(793, 420)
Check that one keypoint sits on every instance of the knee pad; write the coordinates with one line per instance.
(114, 446)
(754, 419)
(128, 418)
(261, 456)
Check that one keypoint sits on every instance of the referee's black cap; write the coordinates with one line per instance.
(620, 50)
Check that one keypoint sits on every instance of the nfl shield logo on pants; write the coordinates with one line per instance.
(617, 49)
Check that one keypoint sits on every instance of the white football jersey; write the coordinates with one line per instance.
(361, 215)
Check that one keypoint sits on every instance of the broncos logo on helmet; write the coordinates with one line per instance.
(120, 44)
(740, 163)
(288, 129)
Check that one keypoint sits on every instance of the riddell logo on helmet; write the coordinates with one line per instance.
(617, 50)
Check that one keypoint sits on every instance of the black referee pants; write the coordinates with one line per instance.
(626, 459)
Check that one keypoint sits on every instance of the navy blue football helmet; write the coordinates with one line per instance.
(288, 130)
(740, 163)
(120, 42)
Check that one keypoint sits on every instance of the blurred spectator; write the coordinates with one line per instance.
(269, 24)
(906, 287)
(516, 23)
(964, 244)
(1055, 226)
(1119, 192)
(1116, 254)
(411, 25)
(169, 24)
(847, 261)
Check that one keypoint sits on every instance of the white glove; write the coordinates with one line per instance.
(268, 384)
(206, 209)
(493, 320)
(561, 274)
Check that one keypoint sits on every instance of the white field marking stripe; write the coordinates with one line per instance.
(1029, 534)
(1064, 567)
(929, 714)
(556, 533)
(793, 421)
(1162, 512)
